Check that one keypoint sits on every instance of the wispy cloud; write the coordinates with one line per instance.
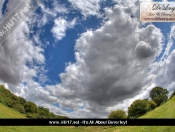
(60, 27)
(87, 7)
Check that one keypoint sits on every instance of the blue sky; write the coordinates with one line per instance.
(86, 58)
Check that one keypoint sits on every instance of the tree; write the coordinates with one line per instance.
(43, 112)
(14, 98)
(30, 107)
(152, 104)
(118, 114)
(22, 101)
(19, 108)
(61, 117)
(138, 107)
(159, 95)
(31, 115)
(8, 102)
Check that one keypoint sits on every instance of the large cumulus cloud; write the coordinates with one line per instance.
(112, 61)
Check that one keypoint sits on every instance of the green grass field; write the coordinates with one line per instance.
(167, 110)
(6, 112)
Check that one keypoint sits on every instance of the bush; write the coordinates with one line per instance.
(2, 100)
(31, 115)
(138, 108)
(152, 105)
(43, 112)
(52, 115)
(9, 103)
(61, 117)
(14, 98)
(118, 114)
(19, 108)
(22, 101)
(30, 107)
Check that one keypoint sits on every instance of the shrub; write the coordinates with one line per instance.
(138, 108)
(152, 105)
(22, 101)
(43, 112)
(9, 102)
(19, 108)
(31, 115)
(30, 107)
(118, 114)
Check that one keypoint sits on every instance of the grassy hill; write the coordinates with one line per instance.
(167, 110)
(6, 112)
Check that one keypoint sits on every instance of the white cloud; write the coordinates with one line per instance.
(87, 7)
(59, 8)
(16, 52)
(162, 72)
(49, 13)
(60, 27)
(170, 42)
(111, 63)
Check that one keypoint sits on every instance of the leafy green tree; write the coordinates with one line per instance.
(43, 112)
(61, 117)
(8, 102)
(52, 115)
(159, 95)
(5, 92)
(31, 115)
(22, 101)
(30, 107)
(14, 98)
(19, 108)
(138, 108)
(118, 114)
(152, 104)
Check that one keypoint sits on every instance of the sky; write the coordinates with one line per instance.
(84, 59)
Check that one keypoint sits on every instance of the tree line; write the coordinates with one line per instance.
(25, 107)
(158, 96)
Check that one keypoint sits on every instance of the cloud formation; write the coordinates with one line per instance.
(60, 27)
(51, 13)
(111, 62)
(162, 71)
(88, 7)
(16, 52)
